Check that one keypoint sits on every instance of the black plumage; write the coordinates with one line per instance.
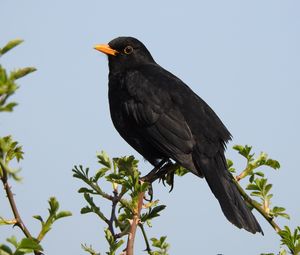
(162, 118)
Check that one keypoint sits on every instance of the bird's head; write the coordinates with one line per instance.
(125, 53)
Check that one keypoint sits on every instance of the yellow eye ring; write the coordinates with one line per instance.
(128, 50)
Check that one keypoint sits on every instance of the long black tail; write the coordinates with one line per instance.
(222, 185)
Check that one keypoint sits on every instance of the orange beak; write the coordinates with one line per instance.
(106, 49)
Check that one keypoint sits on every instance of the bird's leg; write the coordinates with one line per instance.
(164, 171)
(151, 176)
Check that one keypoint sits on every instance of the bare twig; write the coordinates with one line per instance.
(12, 203)
(113, 213)
(148, 248)
(10, 196)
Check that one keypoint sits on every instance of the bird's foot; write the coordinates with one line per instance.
(154, 174)
(169, 179)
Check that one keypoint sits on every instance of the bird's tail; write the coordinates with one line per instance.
(222, 185)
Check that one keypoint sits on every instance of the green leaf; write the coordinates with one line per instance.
(10, 45)
(251, 179)
(89, 249)
(273, 163)
(8, 107)
(7, 222)
(104, 159)
(291, 240)
(267, 188)
(284, 215)
(85, 190)
(29, 244)
(81, 173)
(13, 240)
(100, 173)
(155, 211)
(261, 174)
(244, 151)
(19, 73)
(53, 216)
(256, 194)
(230, 165)
(278, 209)
(109, 237)
(38, 217)
(63, 214)
(5, 250)
(161, 244)
(85, 210)
(9, 149)
(252, 187)
(283, 252)
(54, 205)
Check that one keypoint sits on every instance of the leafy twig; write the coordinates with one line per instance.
(261, 188)
(258, 207)
(127, 204)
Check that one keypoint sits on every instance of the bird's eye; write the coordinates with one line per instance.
(128, 50)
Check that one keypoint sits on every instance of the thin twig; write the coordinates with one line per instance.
(113, 213)
(10, 196)
(148, 248)
(123, 233)
(12, 202)
(257, 206)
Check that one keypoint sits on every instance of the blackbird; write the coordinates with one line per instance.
(162, 118)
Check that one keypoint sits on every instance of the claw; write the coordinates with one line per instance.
(150, 193)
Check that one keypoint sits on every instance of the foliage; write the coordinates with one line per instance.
(54, 215)
(126, 185)
(25, 246)
(161, 244)
(10, 150)
(8, 84)
(127, 201)
(260, 188)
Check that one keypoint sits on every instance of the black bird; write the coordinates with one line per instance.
(162, 118)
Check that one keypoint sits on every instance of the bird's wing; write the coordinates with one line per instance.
(160, 122)
(204, 124)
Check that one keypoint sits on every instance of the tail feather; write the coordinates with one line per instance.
(222, 185)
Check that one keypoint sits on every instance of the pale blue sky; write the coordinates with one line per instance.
(242, 57)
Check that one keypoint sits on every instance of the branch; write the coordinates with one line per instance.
(134, 223)
(113, 213)
(10, 196)
(257, 206)
(148, 248)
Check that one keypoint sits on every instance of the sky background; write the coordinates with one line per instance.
(241, 57)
